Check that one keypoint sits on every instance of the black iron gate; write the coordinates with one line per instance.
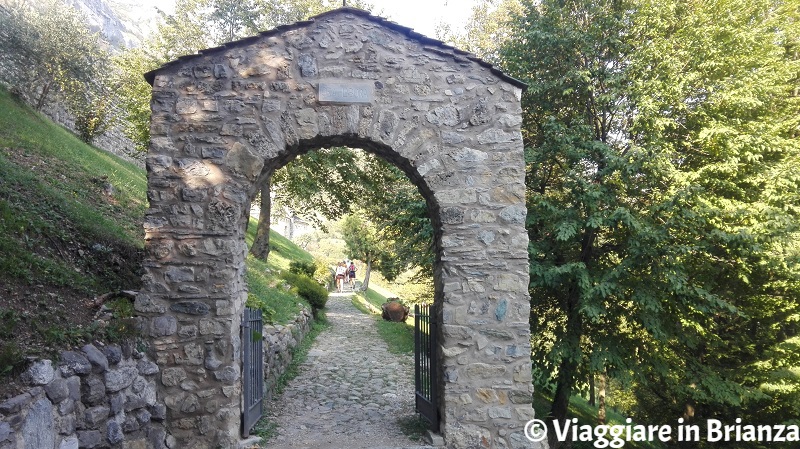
(252, 368)
(426, 365)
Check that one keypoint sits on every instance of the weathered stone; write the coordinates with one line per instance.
(485, 371)
(6, 432)
(146, 367)
(40, 372)
(164, 326)
(69, 443)
(117, 379)
(96, 415)
(452, 215)
(228, 375)
(57, 390)
(116, 403)
(171, 377)
(223, 120)
(74, 363)
(90, 438)
(98, 360)
(93, 390)
(190, 307)
(113, 353)
(38, 429)
(114, 433)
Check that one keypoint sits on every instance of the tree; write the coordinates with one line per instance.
(50, 45)
(363, 243)
(487, 29)
(653, 229)
(723, 103)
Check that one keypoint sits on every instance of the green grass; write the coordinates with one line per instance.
(71, 229)
(52, 204)
(398, 336)
(373, 297)
(262, 277)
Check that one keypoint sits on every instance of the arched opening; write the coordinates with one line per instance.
(358, 389)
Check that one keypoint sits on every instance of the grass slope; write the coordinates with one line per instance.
(71, 230)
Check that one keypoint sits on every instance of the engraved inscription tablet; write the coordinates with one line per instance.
(346, 91)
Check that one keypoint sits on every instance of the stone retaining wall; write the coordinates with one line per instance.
(105, 397)
(98, 397)
(279, 341)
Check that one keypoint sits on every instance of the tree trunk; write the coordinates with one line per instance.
(43, 96)
(592, 400)
(367, 271)
(260, 248)
(568, 368)
(601, 411)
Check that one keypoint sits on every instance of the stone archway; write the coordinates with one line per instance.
(224, 119)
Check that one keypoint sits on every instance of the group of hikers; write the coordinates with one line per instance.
(345, 273)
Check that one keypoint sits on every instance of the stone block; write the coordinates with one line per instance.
(38, 428)
(89, 438)
(57, 390)
(164, 326)
(69, 443)
(121, 378)
(147, 368)
(171, 377)
(72, 362)
(15, 404)
(40, 372)
(114, 433)
(93, 390)
(95, 416)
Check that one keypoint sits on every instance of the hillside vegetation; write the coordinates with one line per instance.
(71, 240)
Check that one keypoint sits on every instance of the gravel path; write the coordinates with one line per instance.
(351, 392)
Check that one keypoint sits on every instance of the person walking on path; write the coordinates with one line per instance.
(352, 272)
(351, 391)
(341, 272)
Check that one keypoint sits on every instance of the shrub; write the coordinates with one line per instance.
(267, 313)
(307, 288)
(306, 268)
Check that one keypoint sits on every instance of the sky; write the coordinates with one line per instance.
(421, 15)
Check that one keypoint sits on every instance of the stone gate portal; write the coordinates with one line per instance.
(223, 120)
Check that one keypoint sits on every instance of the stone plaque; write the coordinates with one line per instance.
(346, 91)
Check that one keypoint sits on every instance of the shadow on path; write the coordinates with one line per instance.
(351, 392)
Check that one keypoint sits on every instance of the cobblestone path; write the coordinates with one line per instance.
(351, 392)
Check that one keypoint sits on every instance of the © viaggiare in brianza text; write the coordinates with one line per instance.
(615, 436)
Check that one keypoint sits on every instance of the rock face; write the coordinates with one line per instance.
(224, 120)
(119, 22)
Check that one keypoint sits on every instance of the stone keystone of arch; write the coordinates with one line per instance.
(225, 119)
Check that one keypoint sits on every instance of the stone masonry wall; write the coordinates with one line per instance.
(225, 119)
(279, 341)
(106, 397)
(98, 397)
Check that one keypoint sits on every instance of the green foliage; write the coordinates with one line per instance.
(12, 358)
(8, 322)
(49, 43)
(307, 288)
(662, 191)
(301, 267)
(257, 303)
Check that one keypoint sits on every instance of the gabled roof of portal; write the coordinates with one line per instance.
(429, 44)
